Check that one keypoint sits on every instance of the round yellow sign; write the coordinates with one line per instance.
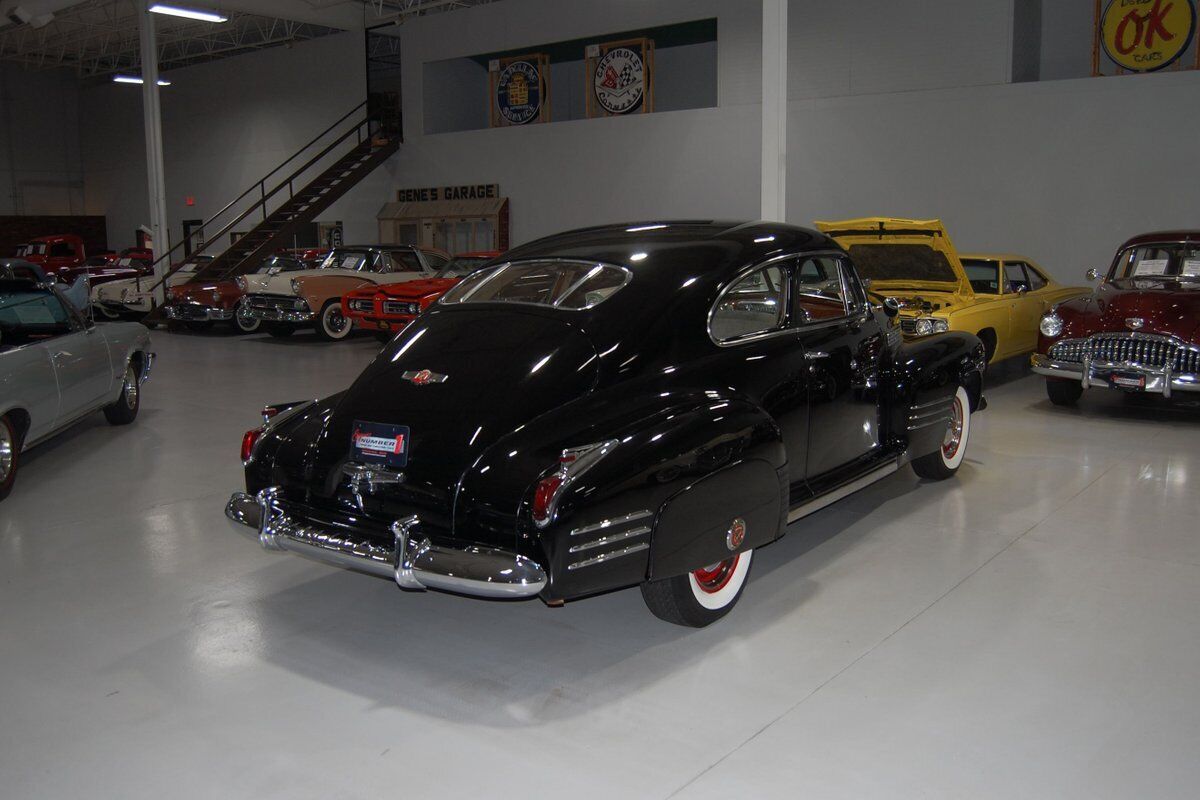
(1147, 35)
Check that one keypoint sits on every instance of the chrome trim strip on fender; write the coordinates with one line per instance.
(610, 539)
(845, 490)
(611, 523)
(588, 562)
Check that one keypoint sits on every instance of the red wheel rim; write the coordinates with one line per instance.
(953, 438)
(715, 577)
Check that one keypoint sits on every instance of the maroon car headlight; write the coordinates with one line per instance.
(573, 462)
(1051, 325)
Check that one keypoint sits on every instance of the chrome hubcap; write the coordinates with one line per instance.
(130, 389)
(7, 452)
(335, 322)
(954, 433)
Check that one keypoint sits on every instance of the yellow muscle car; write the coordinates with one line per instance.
(999, 298)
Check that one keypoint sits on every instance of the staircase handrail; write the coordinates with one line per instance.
(261, 186)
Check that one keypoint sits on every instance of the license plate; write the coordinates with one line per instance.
(1125, 380)
(380, 443)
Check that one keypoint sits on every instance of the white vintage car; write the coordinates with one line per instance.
(284, 301)
(56, 367)
(133, 296)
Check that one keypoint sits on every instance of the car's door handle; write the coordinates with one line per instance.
(815, 354)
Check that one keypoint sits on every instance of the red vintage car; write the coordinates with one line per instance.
(387, 308)
(1138, 332)
(198, 304)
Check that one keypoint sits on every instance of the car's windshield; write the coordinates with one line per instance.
(558, 284)
(280, 264)
(28, 314)
(1174, 262)
(901, 262)
(462, 265)
(983, 275)
(346, 259)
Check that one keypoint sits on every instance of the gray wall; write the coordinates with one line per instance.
(225, 125)
(1059, 171)
(40, 166)
(695, 163)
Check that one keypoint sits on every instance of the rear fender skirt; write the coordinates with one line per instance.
(697, 526)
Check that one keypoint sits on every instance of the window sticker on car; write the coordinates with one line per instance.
(1151, 266)
(1191, 268)
(380, 443)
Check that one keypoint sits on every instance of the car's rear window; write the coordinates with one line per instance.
(896, 262)
(558, 284)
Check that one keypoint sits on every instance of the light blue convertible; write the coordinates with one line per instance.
(56, 366)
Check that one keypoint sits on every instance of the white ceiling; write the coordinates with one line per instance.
(97, 38)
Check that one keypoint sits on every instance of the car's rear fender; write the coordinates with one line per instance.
(669, 463)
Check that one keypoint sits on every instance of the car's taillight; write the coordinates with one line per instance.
(573, 462)
(249, 439)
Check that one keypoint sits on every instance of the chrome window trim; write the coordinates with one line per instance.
(499, 268)
(789, 325)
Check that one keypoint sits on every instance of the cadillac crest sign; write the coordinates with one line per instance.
(1147, 35)
(620, 80)
(519, 92)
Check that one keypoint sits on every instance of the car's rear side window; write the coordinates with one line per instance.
(754, 305)
(557, 284)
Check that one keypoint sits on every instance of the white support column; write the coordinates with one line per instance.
(774, 110)
(152, 119)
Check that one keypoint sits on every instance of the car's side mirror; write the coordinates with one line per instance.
(891, 306)
(1092, 274)
(1022, 289)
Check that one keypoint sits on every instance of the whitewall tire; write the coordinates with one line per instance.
(702, 596)
(946, 460)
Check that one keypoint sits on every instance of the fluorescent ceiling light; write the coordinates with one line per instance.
(188, 13)
(136, 79)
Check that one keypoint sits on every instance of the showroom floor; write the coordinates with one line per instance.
(1030, 629)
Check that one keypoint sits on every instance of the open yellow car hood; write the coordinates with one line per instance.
(902, 257)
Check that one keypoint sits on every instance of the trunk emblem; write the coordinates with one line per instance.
(423, 377)
(1135, 323)
(366, 479)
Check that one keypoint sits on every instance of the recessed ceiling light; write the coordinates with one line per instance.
(188, 13)
(137, 79)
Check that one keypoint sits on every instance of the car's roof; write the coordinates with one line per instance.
(672, 249)
(1157, 237)
(995, 257)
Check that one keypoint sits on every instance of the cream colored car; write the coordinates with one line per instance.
(285, 301)
(134, 296)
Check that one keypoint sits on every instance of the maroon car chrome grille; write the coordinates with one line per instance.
(1127, 348)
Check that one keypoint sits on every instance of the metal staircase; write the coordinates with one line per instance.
(285, 204)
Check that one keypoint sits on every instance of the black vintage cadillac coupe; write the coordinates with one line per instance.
(634, 405)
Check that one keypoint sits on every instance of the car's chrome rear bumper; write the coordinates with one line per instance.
(412, 561)
(1091, 373)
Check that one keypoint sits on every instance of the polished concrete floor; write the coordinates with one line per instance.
(1030, 629)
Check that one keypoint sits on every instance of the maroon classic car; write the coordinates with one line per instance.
(1138, 332)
